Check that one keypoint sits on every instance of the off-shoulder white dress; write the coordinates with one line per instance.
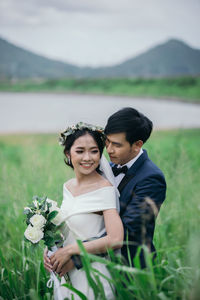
(83, 223)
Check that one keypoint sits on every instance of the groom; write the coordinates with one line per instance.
(140, 182)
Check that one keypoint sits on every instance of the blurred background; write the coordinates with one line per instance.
(66, 61)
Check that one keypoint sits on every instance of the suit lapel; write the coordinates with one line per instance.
(132, 171)
(124, 182)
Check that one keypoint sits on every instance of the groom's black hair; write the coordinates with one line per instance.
(134, 124)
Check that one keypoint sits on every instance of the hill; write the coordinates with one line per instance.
(19, 63)
(173, 58)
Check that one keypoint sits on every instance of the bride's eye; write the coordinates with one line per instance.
(79, 151)
(95, 151)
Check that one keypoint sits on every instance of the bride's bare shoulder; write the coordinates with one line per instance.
(70, 182)
(104, 182)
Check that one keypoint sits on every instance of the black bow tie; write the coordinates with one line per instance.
(117, 170)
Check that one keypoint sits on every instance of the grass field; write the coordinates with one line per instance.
(33, 165)
(184, 88)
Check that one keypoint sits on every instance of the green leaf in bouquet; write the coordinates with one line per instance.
(49, 242)
(57, 237)
(47, 205)
(60, 227)
(28, 218)
(44, 204)
(49, 233)
(25, 239)
(32, 206)
(42, 200)
(50, 227)
(52, 215)
(28, 221)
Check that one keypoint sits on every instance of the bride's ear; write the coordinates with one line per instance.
(67, 154)
(68, 159)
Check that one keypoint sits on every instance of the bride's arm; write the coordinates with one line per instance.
(113, 239)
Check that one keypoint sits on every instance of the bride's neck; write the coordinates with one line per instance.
(82, 179)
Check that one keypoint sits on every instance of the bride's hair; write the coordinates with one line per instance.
(97, 136)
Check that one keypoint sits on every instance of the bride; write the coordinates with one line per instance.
(89, 207)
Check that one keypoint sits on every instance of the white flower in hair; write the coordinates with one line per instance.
(81, 125)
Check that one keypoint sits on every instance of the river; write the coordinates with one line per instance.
(46, 112)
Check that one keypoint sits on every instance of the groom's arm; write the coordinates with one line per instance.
(139, 215)
(77, 258)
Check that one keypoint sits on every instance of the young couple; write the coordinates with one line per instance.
(103, 206)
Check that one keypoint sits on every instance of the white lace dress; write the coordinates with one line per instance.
(83, 223)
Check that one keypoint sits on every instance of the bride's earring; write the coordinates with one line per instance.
(69, 160)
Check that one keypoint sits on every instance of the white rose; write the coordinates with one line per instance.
(33, 234)
(58, 218)
(53, 204)
(38, 221)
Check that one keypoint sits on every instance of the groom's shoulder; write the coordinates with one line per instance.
(152, 168)
(149, 168)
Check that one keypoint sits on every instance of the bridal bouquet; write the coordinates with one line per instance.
(43, 218)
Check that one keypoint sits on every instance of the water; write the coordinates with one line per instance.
(43, 112)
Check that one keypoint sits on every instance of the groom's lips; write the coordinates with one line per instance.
(111, 157)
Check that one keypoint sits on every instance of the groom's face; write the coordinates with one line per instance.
(119, 149)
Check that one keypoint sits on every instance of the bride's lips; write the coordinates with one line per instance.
(86, 166)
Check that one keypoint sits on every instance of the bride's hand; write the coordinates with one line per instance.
(60, 258)
(66, 268)
(47, 262)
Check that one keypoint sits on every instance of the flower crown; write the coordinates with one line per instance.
(79, 126)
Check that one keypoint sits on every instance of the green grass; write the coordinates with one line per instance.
(184, 88)
(33, 165)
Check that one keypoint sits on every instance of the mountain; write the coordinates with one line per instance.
(173, 58)
(16, 62)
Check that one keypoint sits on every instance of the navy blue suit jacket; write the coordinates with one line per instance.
(136, 211)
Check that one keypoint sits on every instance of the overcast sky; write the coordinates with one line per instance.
(98, 32)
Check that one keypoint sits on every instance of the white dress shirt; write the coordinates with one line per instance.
(119, 177)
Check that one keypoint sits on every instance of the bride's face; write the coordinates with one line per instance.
(85, 155)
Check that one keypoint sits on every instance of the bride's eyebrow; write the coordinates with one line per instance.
(82, 148)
